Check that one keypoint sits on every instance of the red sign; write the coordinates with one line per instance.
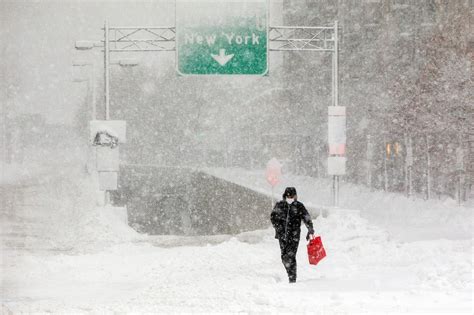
(337, 149)
(273, 172)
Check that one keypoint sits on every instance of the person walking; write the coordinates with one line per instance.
(286, 218)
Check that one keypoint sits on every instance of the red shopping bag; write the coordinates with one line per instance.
(316, 250)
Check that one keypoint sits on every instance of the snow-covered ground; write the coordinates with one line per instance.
(61, 254)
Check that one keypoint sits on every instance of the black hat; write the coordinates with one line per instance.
(289, 192)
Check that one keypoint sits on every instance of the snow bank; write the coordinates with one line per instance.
(94, 227)
(58, 210)
(411, 218)
(404, 218)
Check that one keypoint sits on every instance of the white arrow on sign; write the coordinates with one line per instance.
(222, 58)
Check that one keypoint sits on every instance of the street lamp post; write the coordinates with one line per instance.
(88, 45)
(90, 90)
(91, 84)
(106, 70)
(92, 79)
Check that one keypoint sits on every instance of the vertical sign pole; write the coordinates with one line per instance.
(335, 95)
(107, 70)
(93, 114)
(273, 196)
(459, 170)
(405, 139)
(368, 157)
(428, 168)
(410, 167)
(94, 104)
(385, 180)
(336, 61)
(459, 195)
(333, 101)
(107, 84)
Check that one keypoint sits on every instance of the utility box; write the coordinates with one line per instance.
(105, 136)
(108, 180)
(336, 165)
(107, 159)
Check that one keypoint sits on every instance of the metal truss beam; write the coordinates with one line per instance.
(154, 38)
(280, 38)
(300, 38)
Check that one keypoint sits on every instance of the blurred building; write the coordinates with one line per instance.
(385, 51)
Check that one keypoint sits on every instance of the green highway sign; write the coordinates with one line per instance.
(221, 37)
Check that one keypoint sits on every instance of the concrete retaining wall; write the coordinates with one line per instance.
(182, 201)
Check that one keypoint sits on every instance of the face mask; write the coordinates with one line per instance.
(290, 201)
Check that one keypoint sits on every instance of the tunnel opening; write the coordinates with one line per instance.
(186, 201)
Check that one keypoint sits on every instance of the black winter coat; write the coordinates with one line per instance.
(286, 219)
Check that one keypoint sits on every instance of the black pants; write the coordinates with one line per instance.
(288, 250)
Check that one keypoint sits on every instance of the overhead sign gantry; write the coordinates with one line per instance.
(234, 39)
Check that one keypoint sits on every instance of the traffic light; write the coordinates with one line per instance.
(393, 149)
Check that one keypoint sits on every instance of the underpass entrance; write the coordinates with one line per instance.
(182, 201)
